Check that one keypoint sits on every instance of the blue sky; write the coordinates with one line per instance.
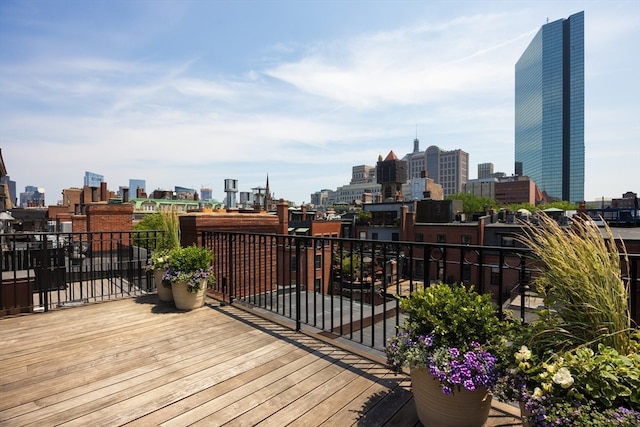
(190, 93)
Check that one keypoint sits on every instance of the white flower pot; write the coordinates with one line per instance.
(164, 293)
(185, 300)
(463, 408)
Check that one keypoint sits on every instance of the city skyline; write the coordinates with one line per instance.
(192, 93)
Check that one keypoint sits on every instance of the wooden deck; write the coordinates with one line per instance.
(142, 363)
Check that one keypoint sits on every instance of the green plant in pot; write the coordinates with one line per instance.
(453, 342)
(578, 363)
(190, 272)
(168, 240)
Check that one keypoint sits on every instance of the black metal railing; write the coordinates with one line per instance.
(41, 271)
(350, 288)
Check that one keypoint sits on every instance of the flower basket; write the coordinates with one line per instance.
(453, 342)
(578, 361)
(462, 409)
(190, 272)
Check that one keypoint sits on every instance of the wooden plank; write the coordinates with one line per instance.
(264, 402)
(97, 395)
(233, 388)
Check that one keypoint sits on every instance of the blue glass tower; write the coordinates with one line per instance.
(549, 109)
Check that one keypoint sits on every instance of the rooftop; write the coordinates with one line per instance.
(141, 362)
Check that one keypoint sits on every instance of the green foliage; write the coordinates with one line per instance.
(586, 301)
(350, 264)
(472, 203)
(166, 222)
(149, 222)
(171, 228)
(364, 217)
(191, 265)
(190, 259)
(606, 375)
(455, 315)
(514, 207)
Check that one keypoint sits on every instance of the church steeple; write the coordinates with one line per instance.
(267, 196)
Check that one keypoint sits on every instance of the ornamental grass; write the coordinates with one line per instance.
(586, 301)
(171, 228)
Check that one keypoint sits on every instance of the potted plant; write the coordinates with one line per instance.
(168, 223)
(578, 363)
(189, 272)
(452, 341)
(158, 263)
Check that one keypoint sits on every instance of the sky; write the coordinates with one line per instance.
(192, 92)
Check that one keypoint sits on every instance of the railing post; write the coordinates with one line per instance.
(298, 296)
(230, 282)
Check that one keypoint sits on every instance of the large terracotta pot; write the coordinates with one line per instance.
(461, 409)
(185, 300)
(164, 293)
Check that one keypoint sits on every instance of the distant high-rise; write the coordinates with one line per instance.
(137, 186)
(450, 169)
(93, 180)
(549, 109)
(485, 170)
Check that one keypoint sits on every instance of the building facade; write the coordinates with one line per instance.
(450, 169)
(549, 109)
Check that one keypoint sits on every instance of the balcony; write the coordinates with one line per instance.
(292, 332)
(139, 362)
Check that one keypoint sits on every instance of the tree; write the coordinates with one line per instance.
(473, 204)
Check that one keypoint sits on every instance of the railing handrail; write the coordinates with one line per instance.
(297, 276)
(44, 270)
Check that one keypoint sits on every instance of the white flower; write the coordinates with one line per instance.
(523, 354)
(563, 378)
(537, 393)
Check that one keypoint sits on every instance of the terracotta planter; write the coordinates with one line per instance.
(185, 300)
(461, 409)
(164, 293)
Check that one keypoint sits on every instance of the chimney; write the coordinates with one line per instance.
(104, 196)
(283, 217)
(125, 195)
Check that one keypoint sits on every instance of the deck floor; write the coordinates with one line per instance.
(139, 362)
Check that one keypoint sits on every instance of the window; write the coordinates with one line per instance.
(318, 261)
(293, 261)
(374, 236)
(441, 238)
(507, 241)
(495, 275)
(395, 237)
(465, 239)
(419, 237)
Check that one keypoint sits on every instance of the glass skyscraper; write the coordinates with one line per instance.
(549, 109)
